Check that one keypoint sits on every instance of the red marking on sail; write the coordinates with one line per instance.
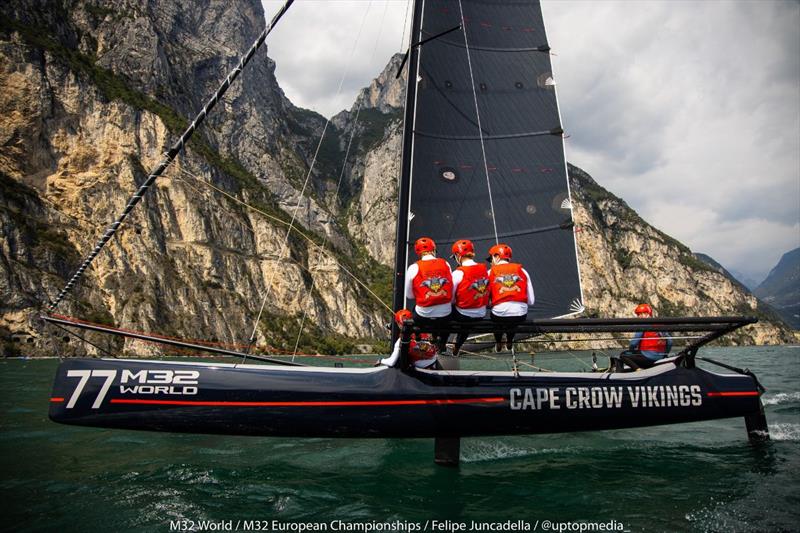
(200, 403)
(734, 393)
(56, 400)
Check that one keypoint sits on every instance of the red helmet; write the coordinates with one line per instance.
(424, 244)
(503, 251)
(401, 316)
(463, 247)
(644, 309)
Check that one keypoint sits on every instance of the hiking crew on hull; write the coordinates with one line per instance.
(646, 347)
(421, 353)
(511, 293)
(429, 282)
(470, 288)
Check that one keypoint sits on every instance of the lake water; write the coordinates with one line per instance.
(692, 477)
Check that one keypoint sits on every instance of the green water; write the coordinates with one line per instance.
(692, 477)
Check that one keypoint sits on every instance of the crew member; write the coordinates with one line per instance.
(646, 347)
(511, 293)
(471, 288)
(421, 353)
(429, 282)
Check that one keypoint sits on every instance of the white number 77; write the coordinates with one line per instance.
(85, 375)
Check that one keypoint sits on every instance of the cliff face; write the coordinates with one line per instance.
(781, 288)
(94, 93)
(92, 97)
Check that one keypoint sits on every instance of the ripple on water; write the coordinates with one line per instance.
(479, 451)
(781, 398)
(784, 432)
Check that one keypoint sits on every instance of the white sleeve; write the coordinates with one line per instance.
(411, 273)
(392, 359)
(530, 287)
(458, 275)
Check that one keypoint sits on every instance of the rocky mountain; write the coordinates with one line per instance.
(781, 288)
(710, 261)
(94, 92)
(748, 281)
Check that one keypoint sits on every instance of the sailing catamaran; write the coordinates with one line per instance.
(483, 159)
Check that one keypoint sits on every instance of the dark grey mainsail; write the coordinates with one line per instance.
(487, 152)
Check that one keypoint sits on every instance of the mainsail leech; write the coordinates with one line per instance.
(169, 156)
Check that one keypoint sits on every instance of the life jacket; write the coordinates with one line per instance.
(422, 349)
(473, 290)
(652, 341)
(433, 284)
(508, 283)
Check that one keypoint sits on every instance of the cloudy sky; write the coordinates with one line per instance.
(690, 111)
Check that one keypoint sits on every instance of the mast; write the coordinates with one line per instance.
(405, 168)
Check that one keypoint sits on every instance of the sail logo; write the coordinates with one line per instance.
(539, 398)
(180, 382)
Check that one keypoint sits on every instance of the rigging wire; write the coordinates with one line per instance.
(341, 177)
(405, 24)
(84, 340)
(305, 183)
(169, 157)
(279, 220)
(478, 115)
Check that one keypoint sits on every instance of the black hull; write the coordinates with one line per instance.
(385, 402)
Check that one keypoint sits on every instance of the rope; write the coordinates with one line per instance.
(84, 340)
(279, 220)
(156, 336)
(305, 183)
(169, 156)
(480, 129)
(405, 24)
(485, 356)
(341, 177)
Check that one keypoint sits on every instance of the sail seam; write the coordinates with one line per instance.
(488, 137)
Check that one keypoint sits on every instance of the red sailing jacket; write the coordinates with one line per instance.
(422, 349)
(472, 291)
(652, 342)
(508, 283)
(433, 284)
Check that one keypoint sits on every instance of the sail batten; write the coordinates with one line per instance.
(487, 153)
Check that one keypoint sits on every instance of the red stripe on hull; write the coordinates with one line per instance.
(445, 401)
(56, 400)
(735, 393)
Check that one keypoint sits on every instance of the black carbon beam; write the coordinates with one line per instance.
(169, 156)
(160, 340)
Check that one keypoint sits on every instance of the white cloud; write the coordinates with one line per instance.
(319, 42)
(690, 111)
